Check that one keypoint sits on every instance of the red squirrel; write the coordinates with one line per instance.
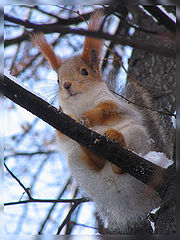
(83, 95)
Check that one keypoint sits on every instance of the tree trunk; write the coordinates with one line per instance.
(158, 73)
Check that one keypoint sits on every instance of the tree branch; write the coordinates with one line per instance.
(33, 200)
(167, 113)
(27, 190)
(30, 199)
(17, 40)
(131, 163)
(53, 206)
(67, 219)
(55, 27)
(161, 17)
(29, 154)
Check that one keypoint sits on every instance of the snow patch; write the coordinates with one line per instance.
(158, 158)
(151, 141)
(151, 222)
(96, 140)
(173, 120)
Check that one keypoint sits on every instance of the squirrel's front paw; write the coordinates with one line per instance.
(60, 108)
(115, 136)
(87, 119)
(84, 121)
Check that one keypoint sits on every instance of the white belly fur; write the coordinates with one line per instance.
(119, 199)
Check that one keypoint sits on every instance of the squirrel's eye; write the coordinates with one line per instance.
(84, 72)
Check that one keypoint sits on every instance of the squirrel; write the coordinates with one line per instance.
(119, 198)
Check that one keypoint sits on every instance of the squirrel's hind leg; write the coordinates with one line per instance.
(91, 160)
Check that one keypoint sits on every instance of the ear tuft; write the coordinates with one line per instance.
(46, 49)
(93, 46)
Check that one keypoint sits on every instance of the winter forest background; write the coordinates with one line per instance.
(31, 154)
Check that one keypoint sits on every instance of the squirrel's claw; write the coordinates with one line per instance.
(84, 121)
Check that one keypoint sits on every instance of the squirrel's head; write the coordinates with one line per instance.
(78, 74)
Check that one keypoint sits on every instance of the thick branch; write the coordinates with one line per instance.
(55, 27)
(131, 163)
(16, 40)
(161, 17)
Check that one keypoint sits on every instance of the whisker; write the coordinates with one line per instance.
(48, 88)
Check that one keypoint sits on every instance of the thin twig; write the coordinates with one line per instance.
(68, 226)
(29, 154)
(83, 225)
(32, 200)
(168, 113)
(73, 11)
(25, 207)
(128, 75)
(112, 44)
(53, 206)
(36, 200)
(20, 183)
(66, 220)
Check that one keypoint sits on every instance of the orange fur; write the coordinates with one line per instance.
(93, 44)
(92, 161)
(46, 49)
(95, 163)
(60, 134)
(115, 136)
(104, 113)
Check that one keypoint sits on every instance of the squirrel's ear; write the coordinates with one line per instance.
(46, 49)
(93, 46)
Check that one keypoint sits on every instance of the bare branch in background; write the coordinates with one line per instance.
(67, 219)
(143, 106)
(55, 27)
(32, 199)
(53, 206)
(28, 154)
(27, 190)
(35, 200)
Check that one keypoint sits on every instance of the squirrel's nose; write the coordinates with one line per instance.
(67, 85)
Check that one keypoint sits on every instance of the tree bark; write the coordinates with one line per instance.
(158, 74)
